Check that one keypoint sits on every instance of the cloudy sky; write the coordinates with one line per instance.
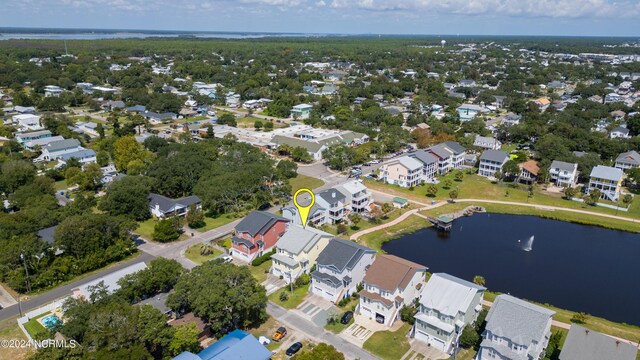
(499, 17)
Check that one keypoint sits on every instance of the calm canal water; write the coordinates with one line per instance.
(571, 266)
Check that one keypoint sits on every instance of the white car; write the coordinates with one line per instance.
(227, 259)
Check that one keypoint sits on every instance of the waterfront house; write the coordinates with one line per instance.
(297, 251)
(404, 171)
(608, 180)
(447, 305)
(450, 156)
(491, 162)
(341, 266)
(563, 174)
(429, 163)
(628, 160)
(585, 344)
(358, 197)
(257, 234)
(529, 171)
(389, 284)
(301, 111)
(334, 203)
(487, 143)
(162, 207)
(516, 330)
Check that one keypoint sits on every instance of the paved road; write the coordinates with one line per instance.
(300, 325)
(65, 290)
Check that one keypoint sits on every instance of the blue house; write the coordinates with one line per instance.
(468, 111)
(237, 345)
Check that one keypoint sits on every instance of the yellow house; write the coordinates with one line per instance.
(297, 251)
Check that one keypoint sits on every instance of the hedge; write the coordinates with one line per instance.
(262, 259)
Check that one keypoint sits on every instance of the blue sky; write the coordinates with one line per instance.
(487, 17)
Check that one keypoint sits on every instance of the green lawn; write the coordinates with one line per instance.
(296, 298)
(212, 223)
(60, 185)
(337, 326)
(9, 330)
(193, 254)
(389, 345)
(375, 239)
(35, 329)
(145, 228)
(260, 272)
(304, 181)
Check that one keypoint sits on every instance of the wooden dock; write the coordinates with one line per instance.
(445, 222)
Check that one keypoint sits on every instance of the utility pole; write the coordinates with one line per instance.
(290, 282)
(24, 261)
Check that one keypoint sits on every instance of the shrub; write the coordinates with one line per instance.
(165, 231)
(407, 314)
(262, 259)
(302, 280)
(284, 296)
(469, 337)
(580, 318)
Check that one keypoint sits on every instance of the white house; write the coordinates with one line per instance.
(389, 284)
(27, 122)
(301, 112)
(487, 143)
(85, 156)
(429, 164)
(358, 197)
(450, 156)
(297, 251)
(563, 174)
(404, 171)
(163, 207)
(341, 266)
(491, 162)
(52, 90)
(608, 180)
(628, 160)
(56, 149)
(515, 330)
(447, 305)
(619, 133)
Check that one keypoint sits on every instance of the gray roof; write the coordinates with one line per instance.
(317, 275)
(258, 222)
(47, 234)
(494, 155)
(425, 157)
(331, 196)
(80, 154)
(157, 301)
(518, 320)
(111, 280)
(63, 144)
(583, 344)
(440, 150)
(33, 134)
(297, 239)
(606, 172)
(629, 157)
(241, 241)
(342, 254)
(455, 147)
(565, 166)
(167, 204)
(449, 294)
(136, 108)
(308, 145)
(620, 130)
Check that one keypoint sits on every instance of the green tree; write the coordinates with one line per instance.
(569, 192)
(453, 194)
(165, 231)
(127, 152)
(627, 199)
(227, 119)
(594, 196)
(195, 217)
(257, 124)
(224, 295)
(407, 314)
(479, 280)
(448, 183)
(580, 318)
(511, 169)
(321, 351)
(469, 337)
(185, 338)
(355, 218)
(432, 190)
(83, 235)
(300, 154)
(268, 126)
(15, 173)
(160, 276)
(459, 176)
(386, 208)
(128, 197)
(286, 169)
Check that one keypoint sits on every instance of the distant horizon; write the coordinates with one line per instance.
(25, 30)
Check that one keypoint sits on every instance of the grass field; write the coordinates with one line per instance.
(260, 272)
(337, 327)
(212, 223)
(389, 345)
(193, 254)
(375, 239)
(35, 329)
(296, 298)
(145, 229)
(304, 181)
(9, 330)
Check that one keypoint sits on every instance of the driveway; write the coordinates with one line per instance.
(316, 309)
(273, 283)
(362, 329)
(422, 351)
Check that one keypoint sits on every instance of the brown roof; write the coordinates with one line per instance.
(390, 272)
(375, 297)
(531, 166)
(190, 318)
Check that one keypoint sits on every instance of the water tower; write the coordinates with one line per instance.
(443, 42)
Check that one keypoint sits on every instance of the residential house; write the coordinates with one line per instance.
(314, 149)
(499, 101)
(56, 149)
(85, 156)
(628, 160)
(52, 90)
(491, 162)
(542, 103)
(162, 207)
(447, 305)
(619, 133)
(22, 138)
(27, 122)
(236, 345)
(297, 251)
(334, 203)
(511, 119)
(341, 266)
(529, 171)
(358, 197)
(563, 174)
(606, 179)
(585, 344)
(389, 284)
(450, 156)
(467, 83)
(429, 164)
(404, 171)
(556, 85)
(515, 330)
(301, 111)
(156, 117)
(468, 111)
(257, 234)
(487, 143)
(612, 98)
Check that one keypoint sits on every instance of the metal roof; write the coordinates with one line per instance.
(449, 294)
(518, 320)
(258, 222)
(342, 254)
(584, 344)
(607, 173)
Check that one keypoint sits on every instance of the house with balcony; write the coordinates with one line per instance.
(585, 344)
(27, 122)
(162, 207)
(563, 174)
(529, 171)
(334, 203)
(515, 330)
(450, 156)
(429, 164)
(447, 305)
(257, 234)
(608, 180)
(341, 266)
(22, 138)
(301, 112)
(358, 197)
(492, 162)
(389, 284)
(297, 251)
(628, 160)
(404, 171)
(56, 149)
(487, 143)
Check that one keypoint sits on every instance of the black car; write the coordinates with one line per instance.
(294, 349)
(347, 317)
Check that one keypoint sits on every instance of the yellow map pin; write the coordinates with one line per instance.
(304, 210)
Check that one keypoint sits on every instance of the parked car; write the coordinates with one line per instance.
(279, 334)
(376, 161)
(346, 317)
(380, 319)
(227, 259)
(294, 348)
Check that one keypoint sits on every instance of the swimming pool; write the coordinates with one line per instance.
(51, 321)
